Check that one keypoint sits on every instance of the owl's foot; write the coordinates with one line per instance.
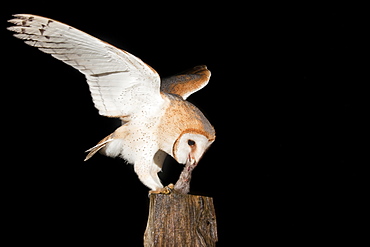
(166, 190)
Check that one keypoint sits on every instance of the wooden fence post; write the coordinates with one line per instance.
(180, 220)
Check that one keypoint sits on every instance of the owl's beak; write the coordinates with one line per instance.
(191, 161)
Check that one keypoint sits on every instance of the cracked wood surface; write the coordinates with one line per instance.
(180, 220)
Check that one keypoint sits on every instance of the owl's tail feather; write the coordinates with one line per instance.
(98, 146)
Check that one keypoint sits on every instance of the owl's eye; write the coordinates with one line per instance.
(191, 142)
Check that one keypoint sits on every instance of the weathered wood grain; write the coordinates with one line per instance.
(180, 220)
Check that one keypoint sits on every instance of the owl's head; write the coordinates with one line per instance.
(190, 147)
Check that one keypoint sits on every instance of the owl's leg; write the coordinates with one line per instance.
(147, 172)
(158, 159)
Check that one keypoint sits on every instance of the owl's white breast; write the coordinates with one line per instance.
(139, 137)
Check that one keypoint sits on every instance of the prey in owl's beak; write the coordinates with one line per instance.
(182, 186)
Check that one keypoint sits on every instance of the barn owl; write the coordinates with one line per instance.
(156, 118)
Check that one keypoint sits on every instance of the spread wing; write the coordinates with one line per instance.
(119, 82)
(188, 82)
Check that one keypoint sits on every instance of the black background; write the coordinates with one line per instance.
(287, 99)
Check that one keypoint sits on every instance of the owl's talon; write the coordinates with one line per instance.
(171, 187)
(166, 190)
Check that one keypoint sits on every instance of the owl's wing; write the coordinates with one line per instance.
(119, 82)
(188, 82)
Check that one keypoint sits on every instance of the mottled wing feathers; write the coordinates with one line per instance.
(188, 82)
(119, 82)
